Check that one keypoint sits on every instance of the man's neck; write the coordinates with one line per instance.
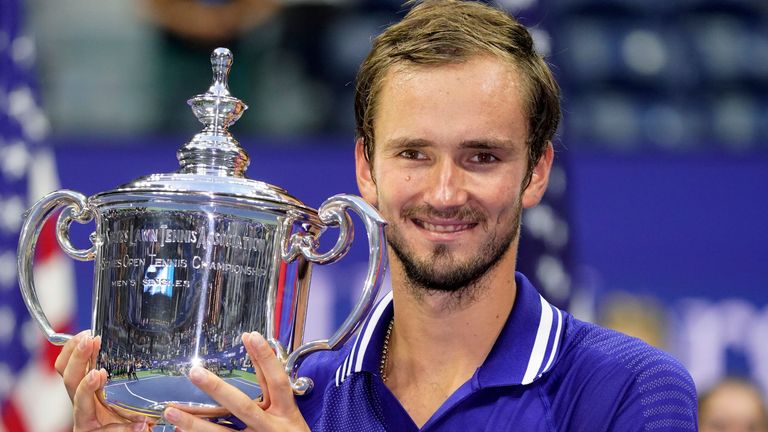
(434, 325)
(437, 342)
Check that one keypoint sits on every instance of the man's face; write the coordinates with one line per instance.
(449, 164)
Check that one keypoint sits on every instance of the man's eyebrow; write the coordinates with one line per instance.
(489, 144)
(406, 142)
(475, 144)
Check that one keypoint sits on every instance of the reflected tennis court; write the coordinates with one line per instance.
(151, 393)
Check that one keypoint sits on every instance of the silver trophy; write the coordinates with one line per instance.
(186, 262)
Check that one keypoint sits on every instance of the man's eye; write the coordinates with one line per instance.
(412, 154)
(484, 158)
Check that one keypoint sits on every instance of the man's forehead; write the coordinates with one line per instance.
(411, 95)
(486, 73)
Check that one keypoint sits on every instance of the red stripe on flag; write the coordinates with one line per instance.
(47, 244)
(51, 351)
(11, 419)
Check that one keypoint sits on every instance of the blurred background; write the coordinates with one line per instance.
(655, 222)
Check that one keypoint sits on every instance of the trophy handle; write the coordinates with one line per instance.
(333, 212)
(76, 210)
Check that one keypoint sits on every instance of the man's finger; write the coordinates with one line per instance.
(84, 401)
(77, 364)
(85, 409)
(66, 351)
(228, 396)
(188, 422)
(264, 401)
(276, 380)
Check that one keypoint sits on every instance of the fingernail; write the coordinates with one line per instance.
(91, 378)
(172, 414)
(139, 427)
(83, 342)
(197, 374)
(256, 339)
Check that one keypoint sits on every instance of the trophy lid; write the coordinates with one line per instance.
(212, 162)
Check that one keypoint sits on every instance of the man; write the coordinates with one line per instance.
(455, 116)
(733, 405)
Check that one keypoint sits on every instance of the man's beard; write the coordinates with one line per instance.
(441, 271)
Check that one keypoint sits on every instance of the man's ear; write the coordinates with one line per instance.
(363, 171)
(539, 178)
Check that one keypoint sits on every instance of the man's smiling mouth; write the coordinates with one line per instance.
(443, 228)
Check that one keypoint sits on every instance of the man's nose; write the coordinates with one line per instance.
(446, 185)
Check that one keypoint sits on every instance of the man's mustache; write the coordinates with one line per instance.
(466, 213)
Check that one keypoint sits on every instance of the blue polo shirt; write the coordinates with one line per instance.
(547, 371)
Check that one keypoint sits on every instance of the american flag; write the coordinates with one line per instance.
(32, 396)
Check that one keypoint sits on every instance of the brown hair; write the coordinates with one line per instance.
(437, 32)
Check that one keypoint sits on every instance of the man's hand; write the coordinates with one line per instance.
(275, 411)
(74, 364)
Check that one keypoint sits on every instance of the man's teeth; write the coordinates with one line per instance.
(444, 228)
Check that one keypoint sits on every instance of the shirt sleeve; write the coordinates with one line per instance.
(617, 383)
(661, 397)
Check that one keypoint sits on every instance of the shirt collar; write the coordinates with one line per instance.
(529, 343)
(525, 350)
(366, 351)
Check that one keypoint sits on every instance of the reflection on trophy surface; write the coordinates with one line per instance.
(186, 262)
(180, 294)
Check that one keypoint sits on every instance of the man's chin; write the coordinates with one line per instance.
(438, 286)
(451, 289)
(442, 272)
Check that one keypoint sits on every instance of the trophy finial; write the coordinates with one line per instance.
(221, 60)
(214, 151)
(216, 108)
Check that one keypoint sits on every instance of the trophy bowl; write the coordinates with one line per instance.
(186, 262)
